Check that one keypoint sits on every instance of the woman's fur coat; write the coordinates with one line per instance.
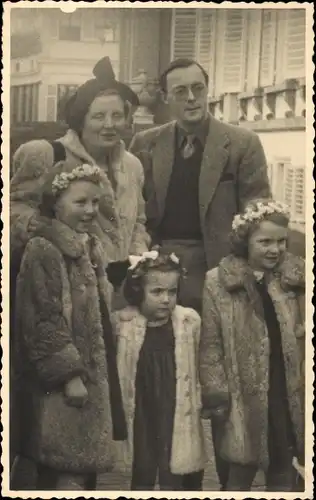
(121, 221)
(234, 353)
(59, 336)
(188, 451)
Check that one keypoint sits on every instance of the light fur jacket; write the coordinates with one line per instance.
(234, 353)
(121, 222)
(188, 450)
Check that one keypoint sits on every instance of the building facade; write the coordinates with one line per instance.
(52, 53)
(255, 59)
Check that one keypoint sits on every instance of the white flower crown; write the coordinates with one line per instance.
(258, 212)
(153, 255)
(62, 181)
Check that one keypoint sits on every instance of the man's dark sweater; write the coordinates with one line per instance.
(181, 217)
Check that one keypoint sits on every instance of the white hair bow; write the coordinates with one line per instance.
(152, 255)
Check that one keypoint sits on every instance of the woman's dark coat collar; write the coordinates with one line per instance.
(234, 272)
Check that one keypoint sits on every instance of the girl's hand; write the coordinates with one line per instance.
(76, 393)
(220, 413)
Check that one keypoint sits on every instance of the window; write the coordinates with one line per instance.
(184, 28)
(24, 103)
(205, 39)
(242, 49)
(70, 26)
(106, 28)
(295, 44)
(233, 50)
(288, 186)
(64, 92)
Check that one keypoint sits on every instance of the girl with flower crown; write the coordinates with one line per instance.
(252, 350)
(157, 363)
(67, 384)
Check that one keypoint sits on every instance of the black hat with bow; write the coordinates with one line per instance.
(77, 106)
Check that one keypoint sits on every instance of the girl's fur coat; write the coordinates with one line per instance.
(234, 353)
(188, 453)
(59, 336)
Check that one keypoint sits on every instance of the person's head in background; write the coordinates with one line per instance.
(152, 285)
(99, 111)
(184, 85)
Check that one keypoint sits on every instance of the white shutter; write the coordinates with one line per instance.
(183, 41)
(253, 49)
(295, 44)
(268, 47)
(234, 50)
(299, 194)
(204, 37)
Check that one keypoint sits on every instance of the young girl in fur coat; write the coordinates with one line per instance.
(157, 362)
(67, 380)
(252, 350)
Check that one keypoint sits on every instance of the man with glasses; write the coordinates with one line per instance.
(199, 172)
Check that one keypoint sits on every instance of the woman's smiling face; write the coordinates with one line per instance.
(104, 122)
(78, 205)
(267, 245)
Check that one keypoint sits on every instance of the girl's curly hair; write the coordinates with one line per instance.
(134, 284)
(239, 236)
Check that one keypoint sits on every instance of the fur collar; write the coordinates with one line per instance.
(71, 141)
(180, 314)
(235, 272)
(68, 241)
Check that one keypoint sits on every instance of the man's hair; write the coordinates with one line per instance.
(180, 63)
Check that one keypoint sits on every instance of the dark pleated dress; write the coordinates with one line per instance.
(154, 410)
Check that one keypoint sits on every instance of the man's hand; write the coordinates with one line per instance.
(76, 393)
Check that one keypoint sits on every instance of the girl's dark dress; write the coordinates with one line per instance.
(281, 440)
(154, 410)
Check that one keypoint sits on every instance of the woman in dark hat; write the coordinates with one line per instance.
(97, 116)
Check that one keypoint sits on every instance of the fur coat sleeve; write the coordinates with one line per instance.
(213, 378)
(30, 162)
(43, 324)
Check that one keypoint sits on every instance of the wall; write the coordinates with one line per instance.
(283, 144)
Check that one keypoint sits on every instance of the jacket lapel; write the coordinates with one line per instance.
(213, 163)
(163, 156)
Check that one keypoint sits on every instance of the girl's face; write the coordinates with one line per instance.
(267, 245)
(160, 294)
(104, 122)
(78, 205)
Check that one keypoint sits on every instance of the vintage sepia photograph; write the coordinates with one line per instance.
(158, 216)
